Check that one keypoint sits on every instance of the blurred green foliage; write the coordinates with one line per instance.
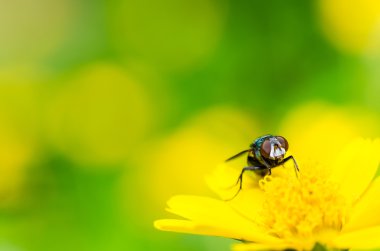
(92, 93)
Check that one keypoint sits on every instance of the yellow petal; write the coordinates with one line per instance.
(185, 226)
(223, 180)
(249, 204)
(190, 227)
(355, 167)
(212, 217)
(366, 211)
(257, 246)
(248, 201)
(367, 238)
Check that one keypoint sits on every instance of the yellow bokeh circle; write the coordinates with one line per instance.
(353, 26)
(19, 134)
(98, 115)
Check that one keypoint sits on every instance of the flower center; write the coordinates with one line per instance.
(301, 207)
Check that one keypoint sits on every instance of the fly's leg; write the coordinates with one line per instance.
(296, 169)
(240, 179)
(269, 170)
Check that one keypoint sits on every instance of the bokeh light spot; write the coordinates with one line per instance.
(19, 135)
(353, 26)
(98, 116)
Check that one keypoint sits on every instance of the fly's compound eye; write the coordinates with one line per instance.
(266, 148)
(283, 142)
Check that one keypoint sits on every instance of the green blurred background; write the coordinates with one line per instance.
(107, 108)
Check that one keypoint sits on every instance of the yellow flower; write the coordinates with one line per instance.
(334, 204)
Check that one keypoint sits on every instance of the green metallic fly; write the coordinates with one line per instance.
(265, 153)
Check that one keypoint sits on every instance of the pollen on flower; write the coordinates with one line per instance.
(301, 207)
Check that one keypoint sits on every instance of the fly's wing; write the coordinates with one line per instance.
(238, 155)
